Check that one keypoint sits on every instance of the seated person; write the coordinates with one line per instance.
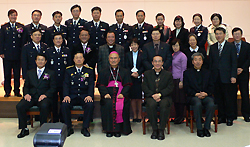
(38, 90)
(199, 87)
(114, 84)
(78, 89)
(157, 86)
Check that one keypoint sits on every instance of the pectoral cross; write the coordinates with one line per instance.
(116, 84)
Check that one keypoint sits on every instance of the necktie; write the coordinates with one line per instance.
(38, 48)
(156, 49)
(96, 25)
(238, 49)
(220, 49)
(12, 26)
(119, 26)
(39, 73)
(58, 50)
(74, 23)
(78, 70)
(84, 48)
(58, 29)
(139, 26)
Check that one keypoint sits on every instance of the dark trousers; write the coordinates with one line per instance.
(151, 108)
(179, 110)
(87, 107)
(197, 104)
(244, 90)
(23, 106)
(8, 65)
(56, 116)
(225, 98)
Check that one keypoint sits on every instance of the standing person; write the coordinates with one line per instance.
(243, 62)
(39, 88)
(97, 29)
(78, 89)
(223, 67)
(157, 86)
(165, 30)
(142, 30)
(74, 25)
(123, 32)
(179, 65)
(30, 51)
(180, 32)
(216, 19)
(199, 30)
(133, 62)
(10, 51)
(36, 16)
(59, 57)
(156, 47)
(114, 84)
(56, 27)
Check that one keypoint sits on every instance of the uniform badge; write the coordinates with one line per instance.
(72, 83)
(86, 83)
(125, 36)
(51, 62)
(145, 37)
(199, 34)
(65, 62)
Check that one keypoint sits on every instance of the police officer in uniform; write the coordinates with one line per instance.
(10, 51)
(74, 26)
(30, 51)
(36, 17)
(56, 27)
(59, 58)
(142, 30)
(123, 32)
(78, 89)
(97, 29)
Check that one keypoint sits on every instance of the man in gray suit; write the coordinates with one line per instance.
(106, 49)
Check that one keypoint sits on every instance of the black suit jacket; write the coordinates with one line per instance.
(243, 60)
(28, 29)
(188, 53)
(29, 53)
(165, 85)
(129, 64)
(36, 87)
(201, 34)
(190, 83)
(226, 64)
(149, 53)
(183, 36)
(11, 41)
(90, 57)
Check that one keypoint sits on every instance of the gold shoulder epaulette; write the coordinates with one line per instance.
(88, 67)
(69, 66)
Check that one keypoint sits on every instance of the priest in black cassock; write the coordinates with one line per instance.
(114, 83)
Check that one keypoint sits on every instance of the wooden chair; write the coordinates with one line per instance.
(35, 111)
(144, 115)
(77, 110)
(190, 112)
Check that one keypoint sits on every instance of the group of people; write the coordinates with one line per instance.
(161, 65)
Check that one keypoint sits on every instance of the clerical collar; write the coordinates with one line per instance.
(196, 49)
(111, 46)
(157, 73)
(36, 26)
(198, 70)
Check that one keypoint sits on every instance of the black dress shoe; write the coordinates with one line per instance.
(229, 122)
(246, 119)
(154, 134)
(178, 120)
(138, 120)
(80, 118)
(85, 132)
(24, 132)
(161, 135)
(117, 134)
(134, 120)
(18, 95)
(200, 133)
(206, 132)
(7, 95)
(108, 134)
(222, 120)
(70, 131)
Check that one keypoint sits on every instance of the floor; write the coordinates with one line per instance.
(236, 136)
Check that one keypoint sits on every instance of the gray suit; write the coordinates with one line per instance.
(103, 56)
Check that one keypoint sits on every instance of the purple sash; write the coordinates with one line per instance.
(119, 102)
